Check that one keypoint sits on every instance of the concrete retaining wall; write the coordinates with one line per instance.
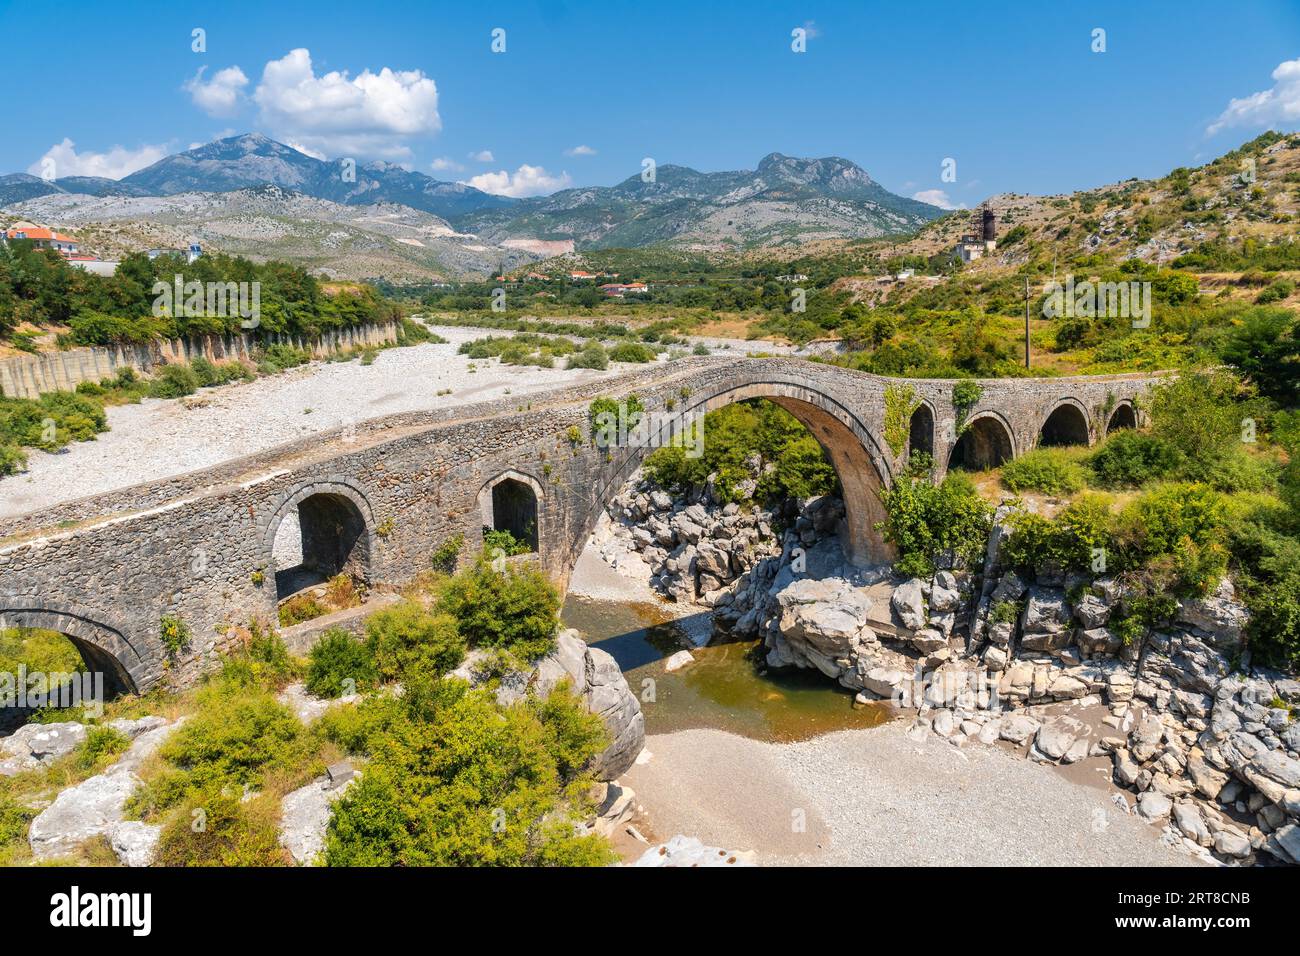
(29, 376)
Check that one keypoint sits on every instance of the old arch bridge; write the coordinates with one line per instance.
(378, 499)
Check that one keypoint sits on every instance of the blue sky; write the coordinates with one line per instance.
(1012, 91)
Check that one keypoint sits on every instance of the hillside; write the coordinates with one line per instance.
(271, 222)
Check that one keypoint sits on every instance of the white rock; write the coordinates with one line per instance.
(679, 660)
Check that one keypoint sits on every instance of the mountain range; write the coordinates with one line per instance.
(785, 201)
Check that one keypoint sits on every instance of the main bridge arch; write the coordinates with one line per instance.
(860, 463)
(102, 642)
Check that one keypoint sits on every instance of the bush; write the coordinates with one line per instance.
(299, 608)
(101, 745)
(14, 820)
(1155, 523)
(631, 352)
(12, 459)
(174, 381)
(1049, 470)
(340, 664)
(236, 736)
(515, 610)
(446, 555)
(218, 829)
(1130, 458)
(497, 787)
(406, 640)
(925, 521)
(1070, 542)
(592, 356)
(503, 540)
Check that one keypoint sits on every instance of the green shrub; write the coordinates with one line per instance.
(515, 610)
(1049, 470)
(263, 662)
(101, 746)
(299, 608)
(174, 634)
(631, 352)
(925, 521)
(1070, 542)
(503, 540)
(235, 737)
(592, 356)
(14, 820)
(174, 381)
(1155, 523)
(12, 459)
(405, 640)
(1130, 458)
(339, 664)
(447, 554)
(497, 787)
(218, 829)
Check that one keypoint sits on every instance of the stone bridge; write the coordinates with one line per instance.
(378, 499)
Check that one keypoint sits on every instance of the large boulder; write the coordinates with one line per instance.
(1221, 617)
(34, 745)
(79, 813)
(908, 602)
(828, 616)
(595, 677)
(1045, 621)
(684, 851)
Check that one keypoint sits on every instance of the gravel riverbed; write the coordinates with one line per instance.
(878, 797)
(160, 438)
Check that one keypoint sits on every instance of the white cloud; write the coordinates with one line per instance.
(367, 115)
(935, 197)
(524, 181)
(583, 150)
(62, 159)
(483, 156)
(1278, 105)
(445, 164)
(306, 150)
(220, 96)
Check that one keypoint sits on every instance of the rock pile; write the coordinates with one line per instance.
(694, 548)
(1212, 755)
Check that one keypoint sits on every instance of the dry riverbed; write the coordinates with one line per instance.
(866, 796)
(160, 438)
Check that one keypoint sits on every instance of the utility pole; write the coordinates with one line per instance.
(1026, 321)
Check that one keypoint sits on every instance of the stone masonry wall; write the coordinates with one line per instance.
(199, 546)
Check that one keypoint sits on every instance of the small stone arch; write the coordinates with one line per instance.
(1124, 416)
(986, 441)
(103, 642)
(920, 430)
(1066, 424)
(336, 529)
(512, 501)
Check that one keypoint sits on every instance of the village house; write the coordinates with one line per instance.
(42, 237)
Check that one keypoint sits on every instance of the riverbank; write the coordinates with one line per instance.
(879, 797)
(874, 795)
